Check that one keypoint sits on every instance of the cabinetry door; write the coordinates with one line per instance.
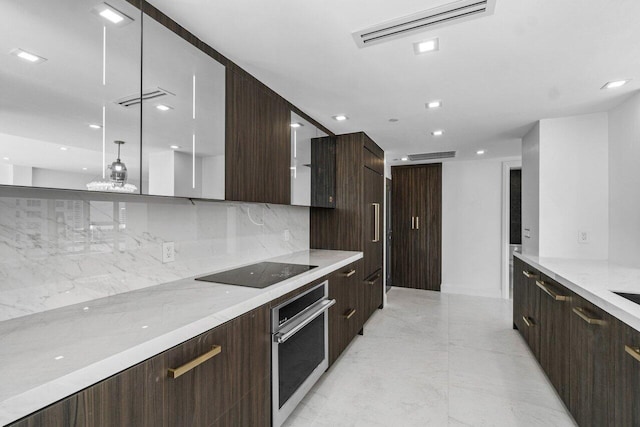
(404, 257)
(519, 267)
(591, 370)
(373, 222)
(203, 394)
(258, 150)
(555, 311)
(345, 314)
(626, 351)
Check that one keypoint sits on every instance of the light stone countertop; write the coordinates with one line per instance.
(595, 281)
(51, 355)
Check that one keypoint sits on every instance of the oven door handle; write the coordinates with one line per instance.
(290, 330)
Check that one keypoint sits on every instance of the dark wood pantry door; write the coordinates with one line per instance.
(417, 226)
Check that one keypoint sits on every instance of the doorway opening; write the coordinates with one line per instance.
(511, 221)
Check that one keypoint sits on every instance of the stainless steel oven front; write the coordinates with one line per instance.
(299, 349)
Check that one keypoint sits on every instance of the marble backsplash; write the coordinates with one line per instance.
(62, 248)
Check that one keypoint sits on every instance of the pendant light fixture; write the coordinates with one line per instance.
(117, 177)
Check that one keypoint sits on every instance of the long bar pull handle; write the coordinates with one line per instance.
(527, 321)
(290, 330)
(584, 315)
(349, 313)
(633, 351)
(529, 274)
(553, 294)
(417, 223)
(375, 279)
(175, 373)
(350, 273)
(376, 222)
(413, 222)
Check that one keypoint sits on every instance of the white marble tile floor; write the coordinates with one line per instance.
(432, 359)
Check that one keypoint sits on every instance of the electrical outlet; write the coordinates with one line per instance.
(286, 235)
(583, 237)
(168, 252)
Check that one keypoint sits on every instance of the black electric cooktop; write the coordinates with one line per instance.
(631, 297)
(258, 275)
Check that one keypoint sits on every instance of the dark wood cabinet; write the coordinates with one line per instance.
(626, 354)
(345, 315)
(257, 149)
(417, 226)
(554, 316)
(591, 370)
(356, 223)
(229, 389)
(323, 172)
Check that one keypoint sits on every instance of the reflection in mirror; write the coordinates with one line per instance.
(64, 67)
(183, 117)
(302, 133)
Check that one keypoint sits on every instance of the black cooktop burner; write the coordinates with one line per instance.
(258, 275)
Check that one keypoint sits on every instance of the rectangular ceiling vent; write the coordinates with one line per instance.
(451, 13)
(432, 156)
(147, 95)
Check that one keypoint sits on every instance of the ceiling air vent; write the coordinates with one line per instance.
(432, 156)
(450, 13)
(147, 95)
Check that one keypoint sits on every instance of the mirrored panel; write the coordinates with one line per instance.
(65, 67)
(312, 164)
(183, 117)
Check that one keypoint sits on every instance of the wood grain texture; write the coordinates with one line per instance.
(323, 172)
(373, 162)
(344, 290)
(518, 293)
(554, 337)
(373, 196)
(627, 375)
(591, 368)
(417, 226)
(257, 148)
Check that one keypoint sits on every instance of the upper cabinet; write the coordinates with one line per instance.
(183, 117)
(71, 63)
(313, 160)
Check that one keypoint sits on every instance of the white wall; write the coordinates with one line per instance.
(531, 191)
(624, 183)
(574, 189)
(471, 227)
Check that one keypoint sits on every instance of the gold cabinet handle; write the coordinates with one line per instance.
(584, 315)
(373, 282)
(349, 273)
(417, 223)
(633, 351)
(175, 373)
(528, 321)
(413, 222)
(556, 296)
(376, 222)
(349, 313)
(529, 274)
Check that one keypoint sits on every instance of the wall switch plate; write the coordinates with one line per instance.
(286, 235)
(583, 237)
(527, 233)
(168, 252)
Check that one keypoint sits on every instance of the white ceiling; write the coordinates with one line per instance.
(496, 76)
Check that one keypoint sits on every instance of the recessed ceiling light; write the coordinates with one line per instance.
(27, 56)
(341, 117)
(84, 169)
(59, 357)
(404, 159)
(92, 126)
(112, 14)
(163, 107)
(63, 148)
(480, 152)
(426, 46)
(434, 104)
(174, 147)
(393, 120)
(5, 158)
(615, 84)
(296, 125)
(437, 132)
